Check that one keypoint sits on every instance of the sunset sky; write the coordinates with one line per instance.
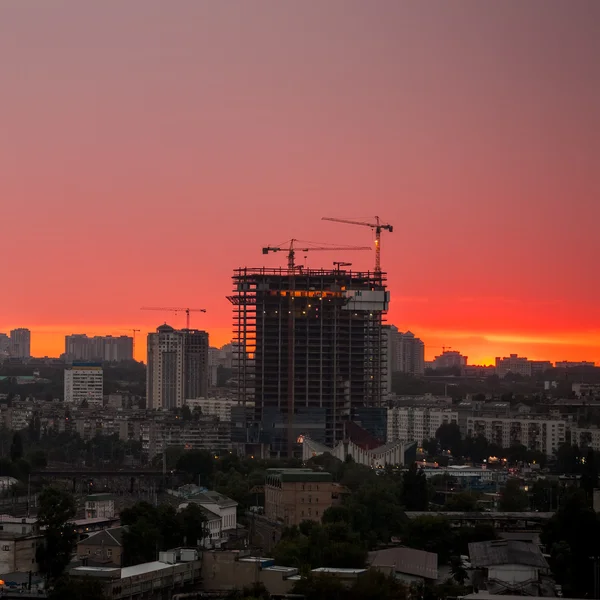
(147, 148)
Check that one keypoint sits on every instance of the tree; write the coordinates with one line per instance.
(449, 438)
(56, 509)
(192, 524)
(544, 495)
(186, 413)
(432, 534)
(572, 536)
(415, 493)
(430, 447)
(198, 464)
(513, 498)
(462, 502)
(314, 545)
(375, 585)
(16, 448)
(321, 586)
(75, 588)
(457, 569)
(589, 475)
(476, 448)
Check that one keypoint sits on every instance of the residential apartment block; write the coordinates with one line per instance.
(20, 343)
(80, 347)
(177, 367)
(543, 435)
(417, 424)
(84, 382)
(405, 352)
(520, 365)
(449, 359)
(216, 407)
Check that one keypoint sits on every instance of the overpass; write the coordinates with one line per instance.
(500, 520)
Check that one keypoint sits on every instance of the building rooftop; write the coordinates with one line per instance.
(506, 552)
(106, 537)
(293, 475)
(144, 568)
(483, 516)
(407, 560)
(92, 521)
(210, 497)
(98, 497)
(339, 571)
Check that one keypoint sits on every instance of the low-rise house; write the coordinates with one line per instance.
(18, 552)
(407, 564)
(22, 525)
(218, 504)
(508, 567)
(104, 546)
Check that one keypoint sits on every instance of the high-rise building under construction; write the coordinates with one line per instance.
(310, 349)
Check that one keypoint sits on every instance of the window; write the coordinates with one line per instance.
(109, 553)
(6, 548)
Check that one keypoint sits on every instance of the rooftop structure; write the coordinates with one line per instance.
(395, 453)
(505, 552)
(321, 330)
(406, 562)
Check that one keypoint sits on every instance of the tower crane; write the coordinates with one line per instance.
(377, 226)
(444, 348)
(134, 331)
(187, 312)
(291, 249)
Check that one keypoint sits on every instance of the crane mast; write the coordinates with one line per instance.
(378, 227)
(187, 312)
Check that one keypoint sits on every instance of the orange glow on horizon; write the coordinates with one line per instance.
(481, 349)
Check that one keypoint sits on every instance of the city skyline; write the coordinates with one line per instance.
(474, 131)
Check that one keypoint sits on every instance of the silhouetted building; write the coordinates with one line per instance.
(310, 340)
(177, 367)
(20, 343)
(79, 346)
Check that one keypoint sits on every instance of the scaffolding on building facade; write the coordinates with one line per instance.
(321, 330)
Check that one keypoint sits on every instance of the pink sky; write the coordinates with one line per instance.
(148, 148)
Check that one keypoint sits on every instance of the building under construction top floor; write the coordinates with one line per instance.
(309, 339)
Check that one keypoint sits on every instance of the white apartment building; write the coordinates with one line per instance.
(543, 435)
(84, 382)
(216, 407)
(417, 424)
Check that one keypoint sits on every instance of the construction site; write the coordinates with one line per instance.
(309, 342)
